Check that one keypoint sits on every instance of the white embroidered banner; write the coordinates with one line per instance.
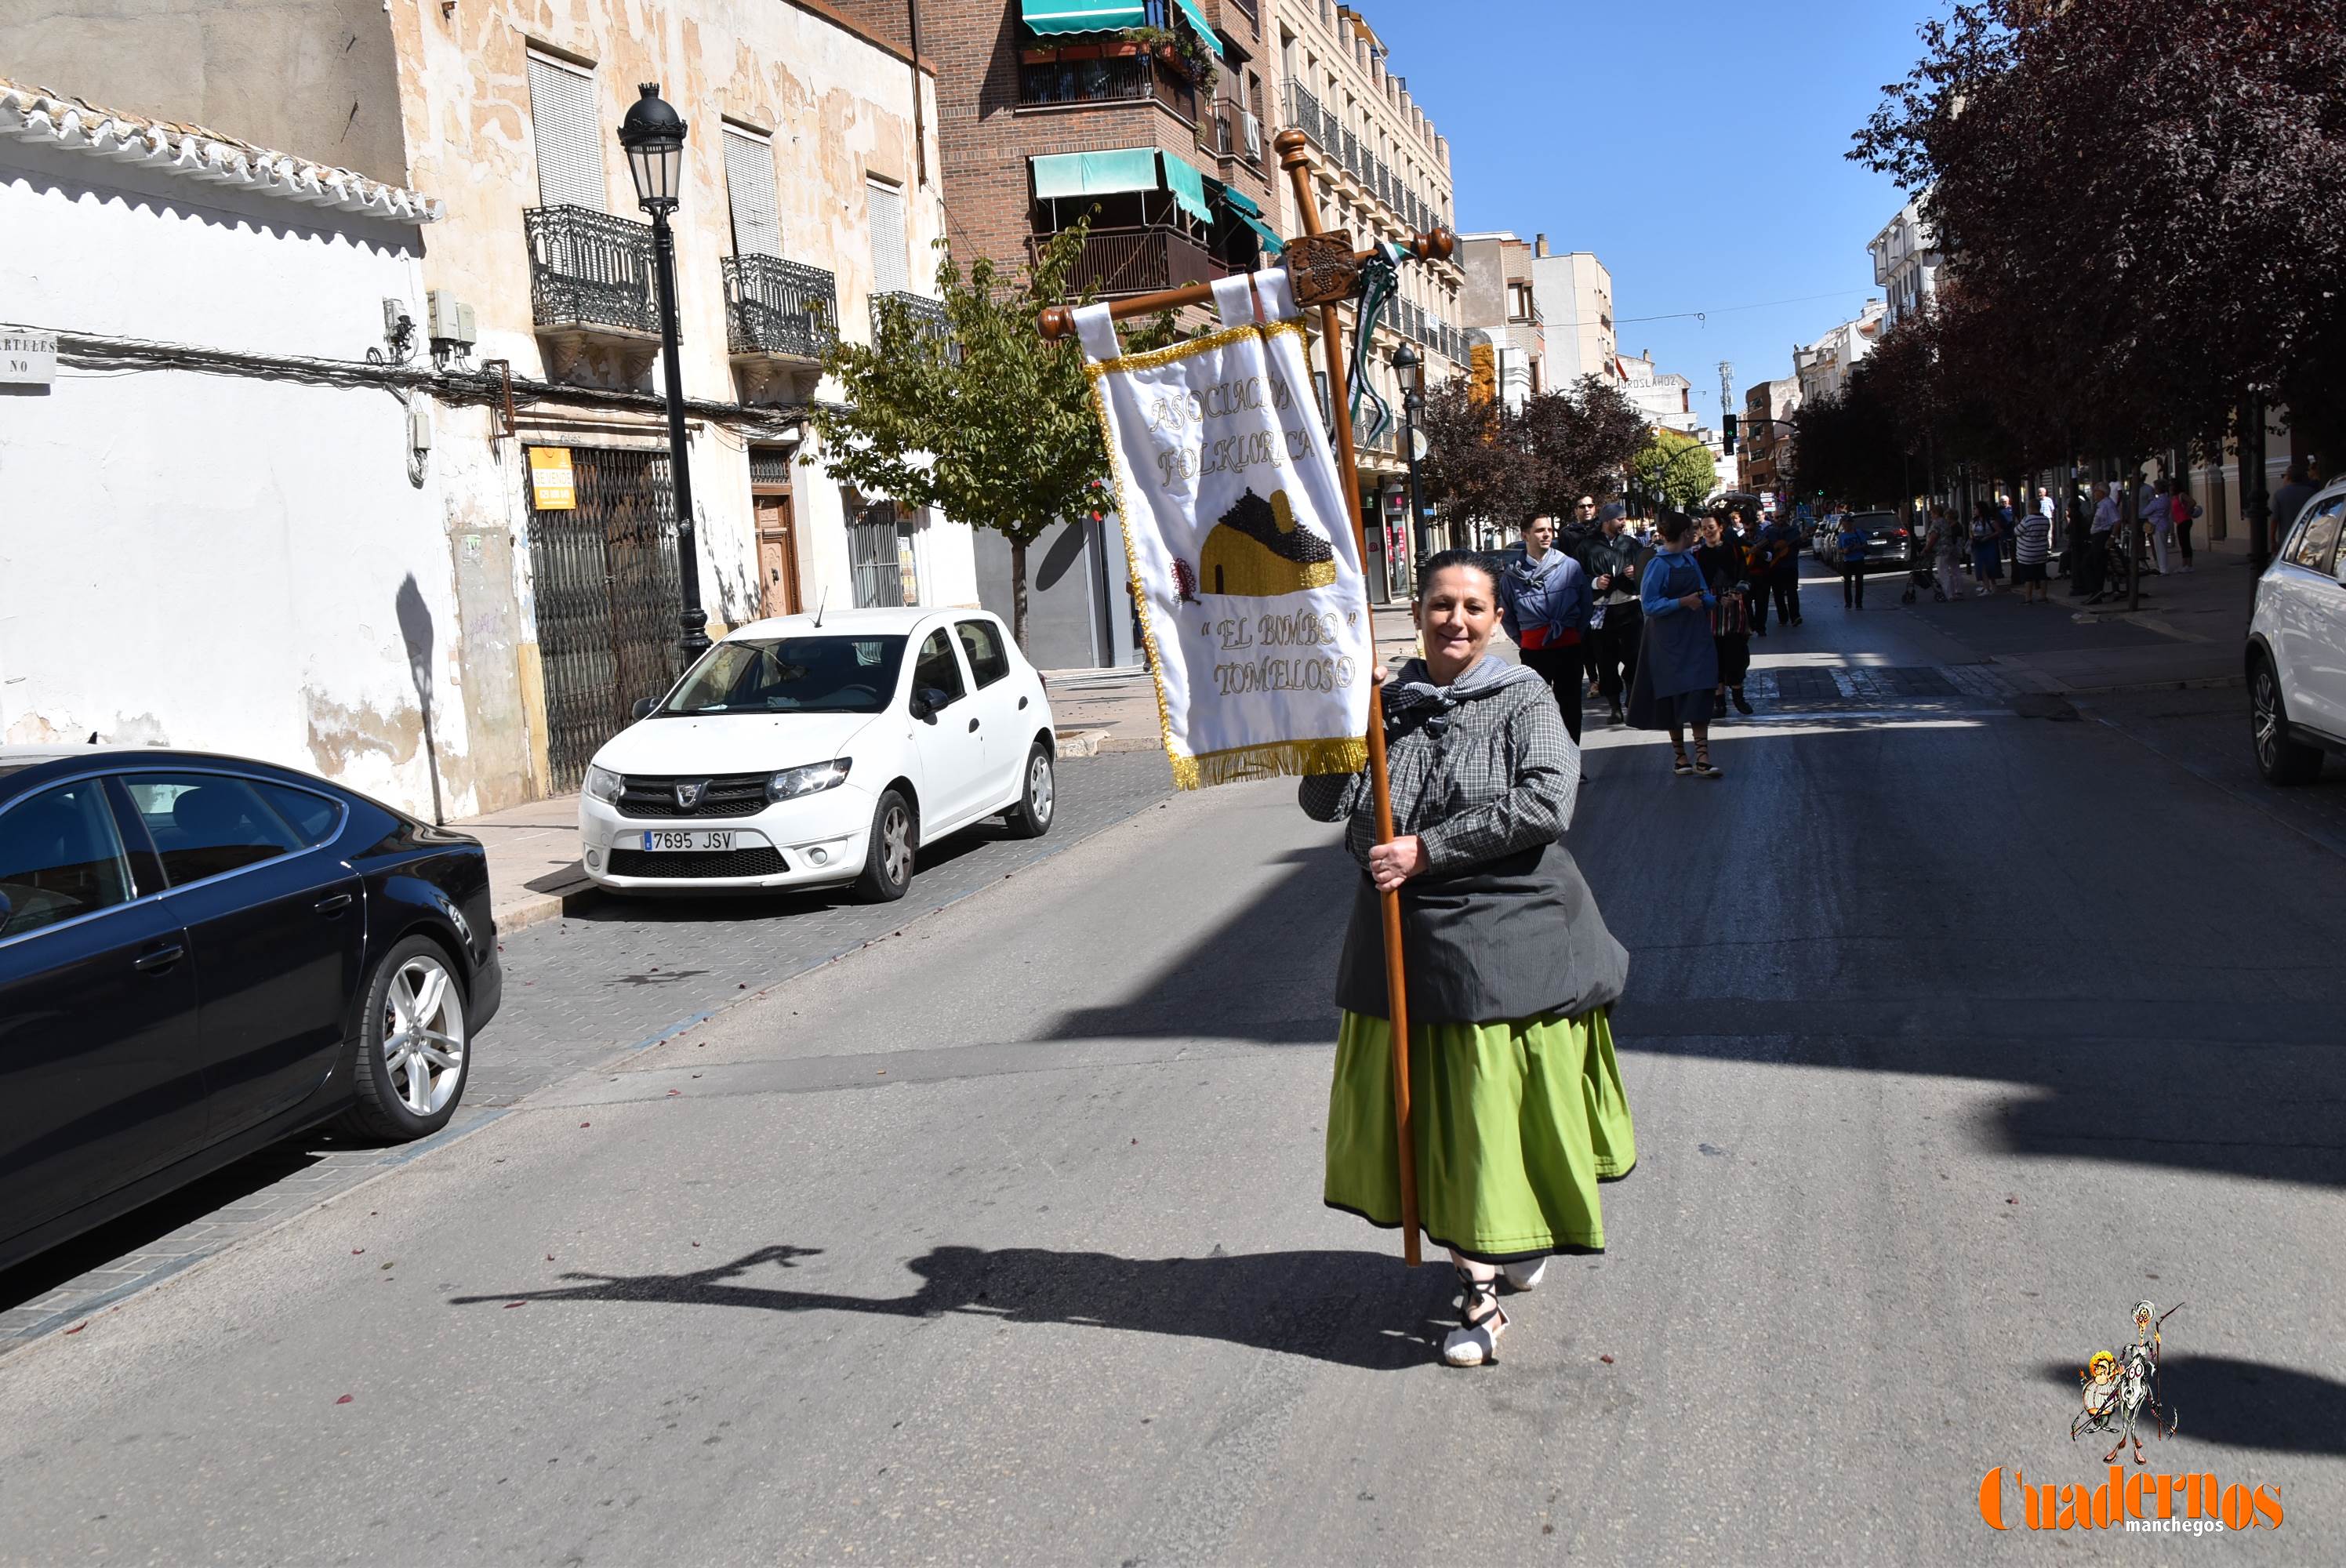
(1240, 544)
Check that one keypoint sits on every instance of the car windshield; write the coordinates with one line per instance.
(790, 675)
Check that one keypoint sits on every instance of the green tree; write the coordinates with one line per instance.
(1678, 468)
(983, 420)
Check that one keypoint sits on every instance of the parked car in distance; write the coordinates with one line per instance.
(1887, 540)
(815, 750)
(2297, 647)
(201, 954)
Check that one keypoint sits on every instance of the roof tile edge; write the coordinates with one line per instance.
(35, 114)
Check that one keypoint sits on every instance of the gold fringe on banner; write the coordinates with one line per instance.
(1294, 759)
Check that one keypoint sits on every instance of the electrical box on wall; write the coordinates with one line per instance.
(451, 320)
(419, 424)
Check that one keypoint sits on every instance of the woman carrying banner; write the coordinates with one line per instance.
(1678, 667)
(1519, 1111)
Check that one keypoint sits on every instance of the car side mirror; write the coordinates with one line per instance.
(921, 710)
(644, 706)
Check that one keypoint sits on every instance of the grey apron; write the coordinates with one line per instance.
(1517, 937)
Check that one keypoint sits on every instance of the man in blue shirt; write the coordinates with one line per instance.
(1850, 543)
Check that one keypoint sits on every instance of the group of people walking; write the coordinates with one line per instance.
(1595, 610)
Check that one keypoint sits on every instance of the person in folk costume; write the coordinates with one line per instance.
(1724, 565)
(1544, 607)
(1678, 667)
(1519, 1111)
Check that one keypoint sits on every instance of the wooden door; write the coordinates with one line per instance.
(778, 557)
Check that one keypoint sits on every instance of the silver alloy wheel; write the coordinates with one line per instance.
(423, 1034)
(896, 843)
(1038, 788)
(2265, 713)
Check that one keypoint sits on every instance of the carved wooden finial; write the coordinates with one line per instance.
(1056, 322)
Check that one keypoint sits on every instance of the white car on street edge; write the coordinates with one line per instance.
(806, 750)
(2297, 646)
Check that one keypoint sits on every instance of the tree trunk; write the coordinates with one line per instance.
(1018, 592)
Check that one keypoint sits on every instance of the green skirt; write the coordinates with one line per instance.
(1515, 1125)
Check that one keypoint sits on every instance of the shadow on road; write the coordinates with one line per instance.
(1267, 975)
(1362, 1309)
(2243, 1404)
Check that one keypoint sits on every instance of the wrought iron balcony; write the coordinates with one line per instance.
(1365, 422)
(784, 309)
(924, 316)
(1305, 113)
(590, 273)
(1136, 78)
(1135, 260)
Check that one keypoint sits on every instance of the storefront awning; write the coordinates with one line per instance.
(1205, 29)
(1082, 15)
(1187, 184)
(1109, 173)
(1241, 200)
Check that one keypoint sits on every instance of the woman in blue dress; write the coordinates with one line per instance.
(1678, 663)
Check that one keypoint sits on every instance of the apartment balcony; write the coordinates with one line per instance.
(780, 317)
(1386, 444)
(591, 300)
(1134, 79)
(1135, 261)
(1305, 113)
(925, 317)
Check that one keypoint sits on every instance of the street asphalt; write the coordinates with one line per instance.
(1959, 1021)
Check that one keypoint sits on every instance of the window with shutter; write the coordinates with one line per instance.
(891, 270)
(569, 142)
(749, 191)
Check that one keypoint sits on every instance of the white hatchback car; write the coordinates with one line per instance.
(801, 751)
(2297, 646)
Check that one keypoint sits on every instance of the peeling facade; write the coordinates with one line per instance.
(354, 577)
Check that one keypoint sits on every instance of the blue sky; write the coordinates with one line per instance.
(1694, 144)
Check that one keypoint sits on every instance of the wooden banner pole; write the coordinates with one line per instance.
(1295, 158)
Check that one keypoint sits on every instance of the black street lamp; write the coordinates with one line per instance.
(1410, 369)
(653, 136)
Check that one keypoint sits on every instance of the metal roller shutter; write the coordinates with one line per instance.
(749, 190)
(891, 270)
(570, 143)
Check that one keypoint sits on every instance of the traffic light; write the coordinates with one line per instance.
(1726, 429)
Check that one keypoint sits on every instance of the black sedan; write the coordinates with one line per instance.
(199, 955)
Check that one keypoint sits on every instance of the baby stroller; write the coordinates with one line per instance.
(1919, 576)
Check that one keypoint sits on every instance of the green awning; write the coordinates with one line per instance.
(1082, 15)
(1096, 173)
(1271, 243)
(1187, 184)
(1241, 200)
(1204, 28)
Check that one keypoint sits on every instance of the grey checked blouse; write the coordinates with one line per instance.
(1500, 924)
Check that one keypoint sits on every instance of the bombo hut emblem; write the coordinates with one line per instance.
(1257, 551)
